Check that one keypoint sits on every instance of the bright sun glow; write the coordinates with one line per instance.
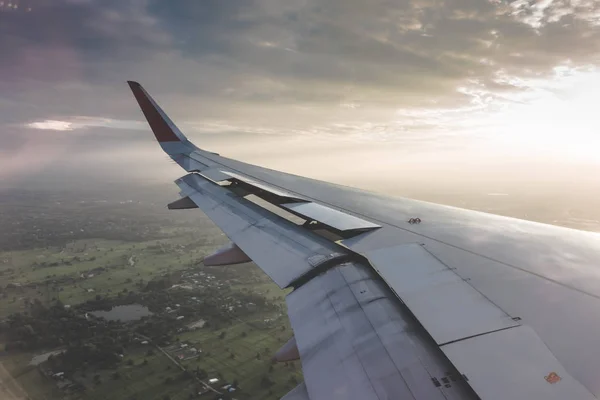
(562, 120)
(51, 125)
(83, 122)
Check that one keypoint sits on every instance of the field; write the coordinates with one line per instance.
(236, 352)
(85, 268)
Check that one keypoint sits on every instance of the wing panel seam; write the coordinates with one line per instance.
(479, 334)
(464, 280)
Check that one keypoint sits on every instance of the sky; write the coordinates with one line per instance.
(372, 93)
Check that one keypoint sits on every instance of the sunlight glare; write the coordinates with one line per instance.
(563, 120)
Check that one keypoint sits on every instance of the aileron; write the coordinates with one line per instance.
(447, 306)
(514, 364)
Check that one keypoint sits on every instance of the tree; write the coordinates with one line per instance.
(130, 362)
(202, 374)
(266, 382)
(168, 380)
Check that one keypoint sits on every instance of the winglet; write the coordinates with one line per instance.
(164, 129)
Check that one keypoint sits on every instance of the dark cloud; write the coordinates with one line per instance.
(263, 50)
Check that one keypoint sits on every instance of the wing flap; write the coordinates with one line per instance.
(216, 174)
(283, 250)
(261, 187)
(355, 342)
(338, 220)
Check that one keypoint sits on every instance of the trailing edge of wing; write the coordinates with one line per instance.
(282, 249)
(356, 342)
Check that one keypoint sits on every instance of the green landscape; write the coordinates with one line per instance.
(143, 318)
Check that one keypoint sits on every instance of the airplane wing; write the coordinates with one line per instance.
(401, 299)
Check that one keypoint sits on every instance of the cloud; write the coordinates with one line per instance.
(51, 125)
(311, 52)
(75, 123)
(425, 75)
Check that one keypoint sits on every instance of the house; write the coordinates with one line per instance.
(213, 380)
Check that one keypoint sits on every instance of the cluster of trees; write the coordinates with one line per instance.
(87, 342)
(45, 327)
(157, 284)
(99, 354)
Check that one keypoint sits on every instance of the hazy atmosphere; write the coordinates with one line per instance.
(387, 95)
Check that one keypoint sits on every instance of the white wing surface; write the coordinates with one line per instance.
(462, 305)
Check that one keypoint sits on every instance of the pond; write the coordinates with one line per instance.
(130, 312)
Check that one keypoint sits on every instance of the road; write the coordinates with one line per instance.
(177, 363)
